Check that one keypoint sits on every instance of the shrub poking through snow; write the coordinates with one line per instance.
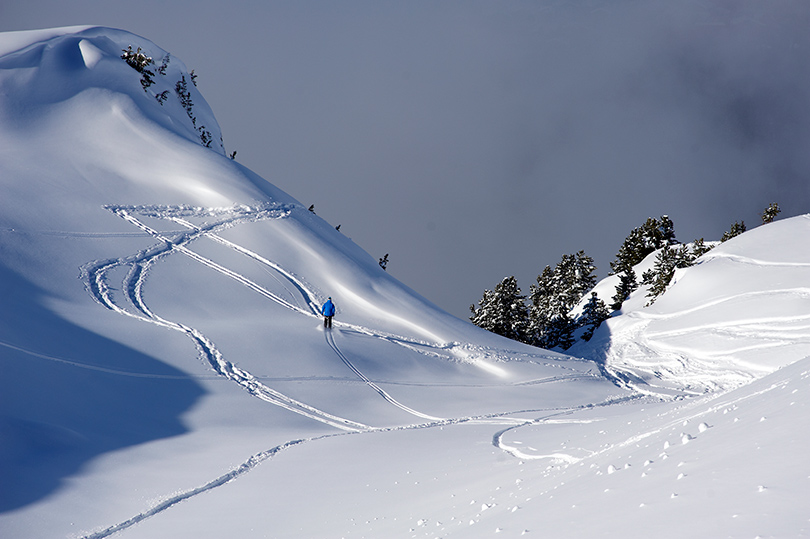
(140, 63)
(163, 65)
(770, 213)
(736, 229)
(162, 97)
(136, 59)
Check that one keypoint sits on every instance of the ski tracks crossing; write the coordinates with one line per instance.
(97, 275)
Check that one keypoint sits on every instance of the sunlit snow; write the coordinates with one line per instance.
(166, 372)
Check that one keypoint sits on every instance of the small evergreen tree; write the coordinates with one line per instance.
(770, 213)
(736, 230)
(163, 65)
(140, 63)
(183, 94)
(627, 285)
(666, 261)
(557, 292)
(205, 136)
(162, 97)
(649, 237)
(136, 59)
(560, 332)
(699, 248)
(593, 314)
(540, 297)
(502, 311)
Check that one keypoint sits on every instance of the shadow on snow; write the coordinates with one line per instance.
(55, 416)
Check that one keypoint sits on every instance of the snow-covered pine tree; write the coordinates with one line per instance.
(699, 248)
(502, 311)
(540, 296)
(557, 292)
(736, 229)
(136, 59)
(573, 277)
(666, 261)
(627, 284)
(593, 314)
(643, 240)
(140, 63)
(560, 332)
(770, 213)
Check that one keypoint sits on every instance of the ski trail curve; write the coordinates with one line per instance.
(245, 467)
(253, 461)
(330, 340)
(139, 264)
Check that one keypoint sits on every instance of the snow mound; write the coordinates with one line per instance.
(741, 312)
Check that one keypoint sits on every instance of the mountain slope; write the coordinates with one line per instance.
(166, 373)
(739, 313)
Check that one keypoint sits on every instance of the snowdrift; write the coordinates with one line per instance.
(161, 342)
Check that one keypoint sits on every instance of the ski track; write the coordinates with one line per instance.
(330, 340)
(258, 458)
(96, 275)
(139, 264)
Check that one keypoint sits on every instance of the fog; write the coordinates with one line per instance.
(475, 140)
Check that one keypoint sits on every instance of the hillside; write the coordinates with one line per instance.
(166, 372)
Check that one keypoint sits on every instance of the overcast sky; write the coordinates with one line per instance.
(475, 140)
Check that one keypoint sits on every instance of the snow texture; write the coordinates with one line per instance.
(166, 372)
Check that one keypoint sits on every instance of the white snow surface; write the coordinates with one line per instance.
(166, 372)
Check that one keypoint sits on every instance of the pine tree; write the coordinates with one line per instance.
(627, 284)
(184, 95)
(136, 59)
(140, 62)
(666, 261)
(699, 248)
(736, 229)
(770, 213)
(540, 297)
(560, 332)
(163, 65)
(502, 311)
(557, 292)
(162, 97)
(593, 314)
(649, 237)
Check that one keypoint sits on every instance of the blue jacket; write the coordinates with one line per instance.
(328, 308)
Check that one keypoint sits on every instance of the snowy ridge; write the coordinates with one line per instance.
(740, 313)
(186, 369)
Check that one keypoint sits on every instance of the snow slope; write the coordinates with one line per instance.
(166, 374)
(741, 312)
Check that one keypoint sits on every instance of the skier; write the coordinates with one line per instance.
(328, 312)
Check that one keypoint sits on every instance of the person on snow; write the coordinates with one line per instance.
(328, 312)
